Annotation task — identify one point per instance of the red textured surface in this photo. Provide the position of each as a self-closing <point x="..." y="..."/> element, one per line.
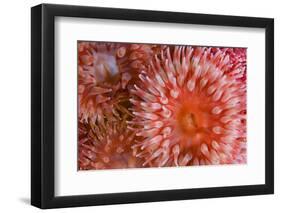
<point x="160" y="105"/>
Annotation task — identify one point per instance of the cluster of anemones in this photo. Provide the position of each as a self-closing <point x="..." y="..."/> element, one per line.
<point x="144" y="105"/>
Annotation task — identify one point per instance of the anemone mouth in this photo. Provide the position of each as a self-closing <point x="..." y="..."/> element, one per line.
<point x="106" y="69"/>
<point x="187" y="121"/>
<point x="192" y="115"/>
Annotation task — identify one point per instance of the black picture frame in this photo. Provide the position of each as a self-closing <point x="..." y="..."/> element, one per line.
<point x="43" y="102"/>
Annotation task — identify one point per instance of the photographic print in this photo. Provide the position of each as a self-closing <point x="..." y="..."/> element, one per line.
<point x="179" y="97"/>
<point x="154" y="105"/>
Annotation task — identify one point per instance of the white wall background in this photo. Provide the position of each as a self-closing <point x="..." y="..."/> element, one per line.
<point x="15" y="105"/>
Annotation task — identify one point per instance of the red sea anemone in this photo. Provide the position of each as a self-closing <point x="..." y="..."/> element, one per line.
<point x="106" y="146"/>
<point x="104" y="71"/>
<point x="102" y="80"/>
<point x="189" y="108"/>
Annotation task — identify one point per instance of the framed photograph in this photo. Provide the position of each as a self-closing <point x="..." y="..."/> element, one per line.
<point x="139" y="106"/>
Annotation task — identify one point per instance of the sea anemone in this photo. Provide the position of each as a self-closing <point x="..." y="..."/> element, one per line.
<point x="106" y="146"/>
<point x="101" y="81"/>
<point x="189" y="108"/>
<point x="104" y="71"/>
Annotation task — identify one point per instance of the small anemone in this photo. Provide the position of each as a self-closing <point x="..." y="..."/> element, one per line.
<point x="106" y="146"/>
